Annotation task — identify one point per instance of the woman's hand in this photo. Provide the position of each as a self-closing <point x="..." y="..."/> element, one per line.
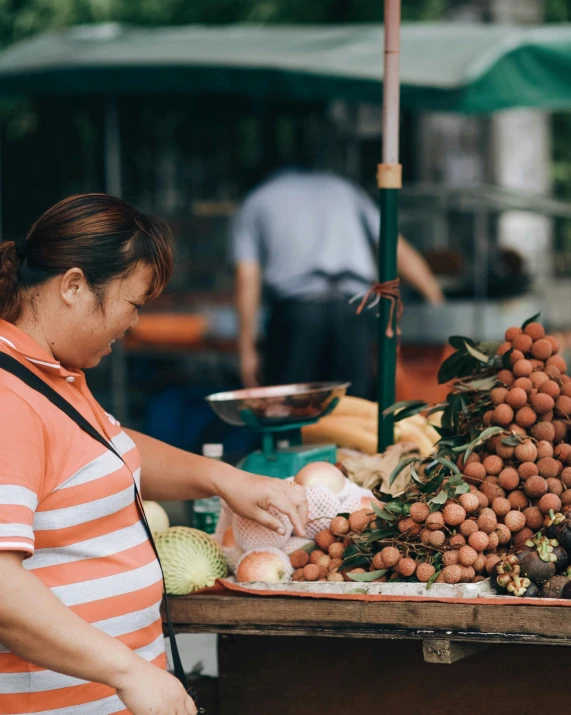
<point x="251" y="496"/>
<point x="148" y="690"/>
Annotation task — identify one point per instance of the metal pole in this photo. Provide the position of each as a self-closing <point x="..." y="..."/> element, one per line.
<point x="112" y="157"/>
<point x="389" y="179"/>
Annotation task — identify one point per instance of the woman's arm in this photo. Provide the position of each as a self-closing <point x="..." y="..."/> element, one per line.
<point x="169" y="473"/>
<point x="38" y="627"/>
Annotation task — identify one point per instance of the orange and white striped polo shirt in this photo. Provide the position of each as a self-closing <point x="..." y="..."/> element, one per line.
<point x="69" y="504"/>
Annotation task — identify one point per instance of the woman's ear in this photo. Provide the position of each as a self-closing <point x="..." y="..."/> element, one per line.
<point x="73" y="286"/>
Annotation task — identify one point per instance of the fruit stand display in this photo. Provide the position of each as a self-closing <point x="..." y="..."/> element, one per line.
<point x="457" y="546"/>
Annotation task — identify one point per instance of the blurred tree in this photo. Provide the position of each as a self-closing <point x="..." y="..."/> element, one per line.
<point x="22" y="18"/>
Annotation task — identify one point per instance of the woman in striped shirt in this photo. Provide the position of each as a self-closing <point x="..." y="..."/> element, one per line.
<point x="80" y="588"/>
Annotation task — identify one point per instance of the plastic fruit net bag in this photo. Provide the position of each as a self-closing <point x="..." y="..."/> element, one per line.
<point x="352" y="494"/>
<point x="224" y="535"/>
<point x="224" y="521"/>
<point x="251" y="535"/>
<point x="323" y="505"/>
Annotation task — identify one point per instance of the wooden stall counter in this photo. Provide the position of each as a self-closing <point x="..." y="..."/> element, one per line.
<point x="280" y="655"/>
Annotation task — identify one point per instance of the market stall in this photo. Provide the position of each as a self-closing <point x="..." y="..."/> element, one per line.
<point x="285" y="655"/>
<point x="458" y="557"/>
<point x="447" y="547"/>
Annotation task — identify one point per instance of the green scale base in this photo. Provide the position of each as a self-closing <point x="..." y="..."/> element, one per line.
<point x="284" y="463"/>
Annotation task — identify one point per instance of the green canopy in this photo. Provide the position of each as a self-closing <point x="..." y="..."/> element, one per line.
<point x="450" y="67"/>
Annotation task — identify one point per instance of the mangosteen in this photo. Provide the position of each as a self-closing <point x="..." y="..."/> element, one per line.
<point x="551" y="523"/>
<point x="554" y="587"/>
<point x="562" y="559"/>
<point x="562" y="532"/>
<point x="518" y="586"/>
<point x="501" y="575"/>
<point x="532" y="591"/>
<point x="537" y="570"/>
<point x="523" y="551"/>
<point x="566" y="593"/>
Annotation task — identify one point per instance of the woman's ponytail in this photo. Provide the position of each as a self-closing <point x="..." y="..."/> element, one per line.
<point x="9" y="290"/>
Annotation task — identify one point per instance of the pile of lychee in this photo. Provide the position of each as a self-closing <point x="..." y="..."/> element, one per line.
<point x="530" y="478"/>
<point x="325" y="561"/>
<point x="465" y="536"/>
<point x="533" y="396"/>
<point x="518" y="480"/>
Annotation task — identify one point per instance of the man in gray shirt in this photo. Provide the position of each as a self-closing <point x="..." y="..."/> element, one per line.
<point x="308" y="240"/>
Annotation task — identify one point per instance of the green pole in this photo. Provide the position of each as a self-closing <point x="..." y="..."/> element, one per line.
<point x="389" y="180"/>
<point x="387" y="353"/>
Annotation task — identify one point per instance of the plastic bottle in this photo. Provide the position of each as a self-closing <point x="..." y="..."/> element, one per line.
<point x="207" y="511"/>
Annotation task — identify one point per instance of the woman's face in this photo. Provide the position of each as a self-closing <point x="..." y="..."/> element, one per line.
<point x="91" y="329"/>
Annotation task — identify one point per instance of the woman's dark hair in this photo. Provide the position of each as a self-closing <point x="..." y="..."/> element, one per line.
<point x="102" y="235"/>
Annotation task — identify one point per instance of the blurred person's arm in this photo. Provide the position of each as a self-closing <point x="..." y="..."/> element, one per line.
<point x="415" y="270"/>
<point x="246" y="253"/>
<point x="248" y="291"/>
<point x="411" y="266"/>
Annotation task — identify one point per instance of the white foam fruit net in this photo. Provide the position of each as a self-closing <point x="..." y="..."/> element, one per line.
<point x="323" y="505"/>
<point x="250" y="535"/>
<point x="356" y="502"/>
<point x="224" y="521"/>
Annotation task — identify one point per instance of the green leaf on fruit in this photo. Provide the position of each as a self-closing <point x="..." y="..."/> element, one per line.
<point x="377" y="509"/>
<point x="530" y="320"/>
<point x="308" y="548"/>
<point x="482" y="437"/>
<point x="459" y="342"/>
<point x="413" y="409"/>
<point x="375" y="535"/>
<point x="379" y="535"/>
<point x="507" y="359"/>
<point x="351" y="551"/>
<point x="415" y="477"/>
<point x="367" y="577"/>
<point x="448" y="464"/>
<point x="387" y="516"/>
<point x="489" y="347"/>
<point x="461" y="489"/>
<point x="433" y="578"/>
<point x="436" y="408"/>
<point x="440" y="498"/>
<point x="513" y="440"/>
<point x="484" y="384"/>
<point x="397" y="508"/>
<point x="399" y="468"/>
<point x="449" y="368"/>
<point x="405" y="409"/>
<point x="478" y="354"/>
<point x="354" y="562"/>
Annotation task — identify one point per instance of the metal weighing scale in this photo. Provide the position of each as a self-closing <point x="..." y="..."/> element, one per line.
<point x="279" y="413"/>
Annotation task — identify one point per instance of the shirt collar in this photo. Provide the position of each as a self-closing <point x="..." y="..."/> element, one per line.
<point x="28" y="348"/>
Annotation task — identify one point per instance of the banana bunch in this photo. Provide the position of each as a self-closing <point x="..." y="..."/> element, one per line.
<point x="354" y="425"/>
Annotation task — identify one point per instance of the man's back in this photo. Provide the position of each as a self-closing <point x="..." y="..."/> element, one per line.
<point x="306" y="229"/>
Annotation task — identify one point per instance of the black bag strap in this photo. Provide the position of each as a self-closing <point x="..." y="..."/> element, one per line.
<point x="11" y="365"/>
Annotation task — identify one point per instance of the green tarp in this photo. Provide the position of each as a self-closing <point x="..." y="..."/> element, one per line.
<point x="451" y="67"/>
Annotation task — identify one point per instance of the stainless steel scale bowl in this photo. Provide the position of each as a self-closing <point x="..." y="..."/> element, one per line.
<point x="279" y="413"/>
